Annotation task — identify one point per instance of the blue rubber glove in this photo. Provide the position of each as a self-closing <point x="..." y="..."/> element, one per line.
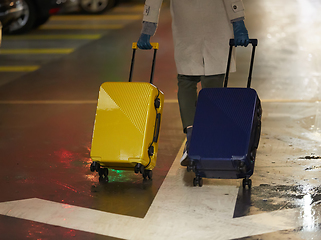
<point x="241" y="37"/>
<point x="143" y="42"/>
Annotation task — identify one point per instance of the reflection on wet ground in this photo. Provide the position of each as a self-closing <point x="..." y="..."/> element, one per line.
<point x="267" y="198"/>
<point x="124" y="196"/>
<point x="47" y="155"/>
<point x="17" y="229"/>
<point x="296" y="234"/>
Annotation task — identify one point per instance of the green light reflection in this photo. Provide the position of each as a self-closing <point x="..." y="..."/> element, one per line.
<point x="119" y="176"/>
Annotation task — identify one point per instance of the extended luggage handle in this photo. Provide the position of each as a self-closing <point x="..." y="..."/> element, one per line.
<point x="157" y="102"/>
<point x="134" y="46"/>
<point x="254" y="43"/>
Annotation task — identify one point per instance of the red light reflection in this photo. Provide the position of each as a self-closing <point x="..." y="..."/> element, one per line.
<point x="65" y="156"/>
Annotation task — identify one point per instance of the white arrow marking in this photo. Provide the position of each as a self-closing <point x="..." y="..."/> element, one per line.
<point x="178" y="212"/>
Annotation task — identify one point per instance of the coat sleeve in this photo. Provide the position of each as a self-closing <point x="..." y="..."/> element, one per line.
<point x="151" y="10"/>
<point x="234" y="9"/>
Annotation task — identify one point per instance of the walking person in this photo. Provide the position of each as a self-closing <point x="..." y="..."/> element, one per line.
<point x="201" y="32"/>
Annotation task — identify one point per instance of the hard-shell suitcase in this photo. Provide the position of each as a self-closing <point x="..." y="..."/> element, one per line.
<point x="127" y="125"/>
<point x="226" y="131"/>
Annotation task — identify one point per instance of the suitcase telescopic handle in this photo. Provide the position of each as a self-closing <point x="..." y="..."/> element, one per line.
<point x="134" y="46"/>
<point x="254" y="43"/>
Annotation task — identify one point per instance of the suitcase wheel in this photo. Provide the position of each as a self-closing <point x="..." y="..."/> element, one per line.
<point x="198" y="181"/>
<point x="94" y="166"/>
<point x="247" y="182"/>
<point x="103" y="174"/>
<point x="190" y="168"/>
<point x="148" y="173"/>
<point x="242" y="167"/>
<point x="103" y="179"/>
<point x="139" y="168"/>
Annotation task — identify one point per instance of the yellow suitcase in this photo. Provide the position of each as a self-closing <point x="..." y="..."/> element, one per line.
<point x="127" y="125"/>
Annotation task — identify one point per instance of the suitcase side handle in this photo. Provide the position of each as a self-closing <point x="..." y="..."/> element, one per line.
<point x="134" y="47"/>
<point x="254" y="43"/>
<point x="157" y="127"/>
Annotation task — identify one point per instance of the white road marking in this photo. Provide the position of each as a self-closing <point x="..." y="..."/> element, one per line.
<point x="179" y="211"/>
<point x="48" y="102"/>
<point x="18" y="68"/>
<point x="95" y="17"/>
<point x="58" y="101"/>
<point x="165" y="101"/>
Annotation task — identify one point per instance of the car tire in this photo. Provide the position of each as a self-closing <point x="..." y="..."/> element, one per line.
<point x="41" y="20"/>
<point x="96" y="6"/>
<point x="27" y="21"/>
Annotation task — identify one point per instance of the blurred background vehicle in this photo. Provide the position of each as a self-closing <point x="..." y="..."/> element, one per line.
<point x="89" y="6"/>
<point x="34" y="13"/>
<point x="10" y="11"/>
<point x="96" y="6"/>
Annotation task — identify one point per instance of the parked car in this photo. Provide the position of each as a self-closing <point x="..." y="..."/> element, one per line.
<point x="89" y="6"/>
<point x="34" y="14"/>
<point x="96" y="6"/>
<point x="10" y="11"/>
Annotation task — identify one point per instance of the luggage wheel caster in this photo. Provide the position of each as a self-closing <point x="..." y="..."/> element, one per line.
<point x="103" y="173"/>
<point x="148" y="173"/>
<point x="103" y="179"/>
<point x="242" y="168"/>
<point x="248" y="182"/>
<point x="94" y="166"/>
<point x="198" y="181"/>
<point x="139" y="168"/>
<point x="189" y="168"/>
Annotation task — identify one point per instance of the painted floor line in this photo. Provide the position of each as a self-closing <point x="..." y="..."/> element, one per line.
<point x="291" y="100"/>
<point x="95" y="101"/>
<point x="82" y="27"/>
<point x="272" y="100"/>
<point x="53" y="37"/>
<point x="69" y="216"/>
<point x="137" y="8"/>
<point x="18" y="68"/>
<point x="57" y="101"/>
<point x="49" y="102"/>
<point x="37" y="51"/>
<point x="94" y="18"/>
<point x="190" y="213"/>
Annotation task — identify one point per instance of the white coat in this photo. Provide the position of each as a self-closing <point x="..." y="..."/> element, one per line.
<point x="201" y="32"/>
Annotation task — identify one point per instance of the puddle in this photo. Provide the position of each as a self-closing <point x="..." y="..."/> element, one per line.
<point x="267" y="198"/>
<point x="312" y="168"/>
<point x="288" y="193"/>
<point x="311" y="157"/>
<point x="295" y="234"/>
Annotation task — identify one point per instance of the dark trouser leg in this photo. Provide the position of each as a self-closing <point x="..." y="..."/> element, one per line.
<point x="187" y="94"/>
<point x="187" y="97"/>
<point x="213" y="81"/>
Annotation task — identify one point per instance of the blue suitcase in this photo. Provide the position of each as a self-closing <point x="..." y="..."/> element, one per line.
<point x="226" y="131"/>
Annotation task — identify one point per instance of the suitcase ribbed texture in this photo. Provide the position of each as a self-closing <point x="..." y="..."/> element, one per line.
<point x="124" y="124"/>
<point x="223" y="123"/>
<point x="135" y="107"/>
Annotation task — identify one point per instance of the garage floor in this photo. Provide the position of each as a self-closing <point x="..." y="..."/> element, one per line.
<point x="49" y="83"/>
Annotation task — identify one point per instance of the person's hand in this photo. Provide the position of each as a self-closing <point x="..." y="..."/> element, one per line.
<point x="143" y="42"/>
<point x="241" y="37"/>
